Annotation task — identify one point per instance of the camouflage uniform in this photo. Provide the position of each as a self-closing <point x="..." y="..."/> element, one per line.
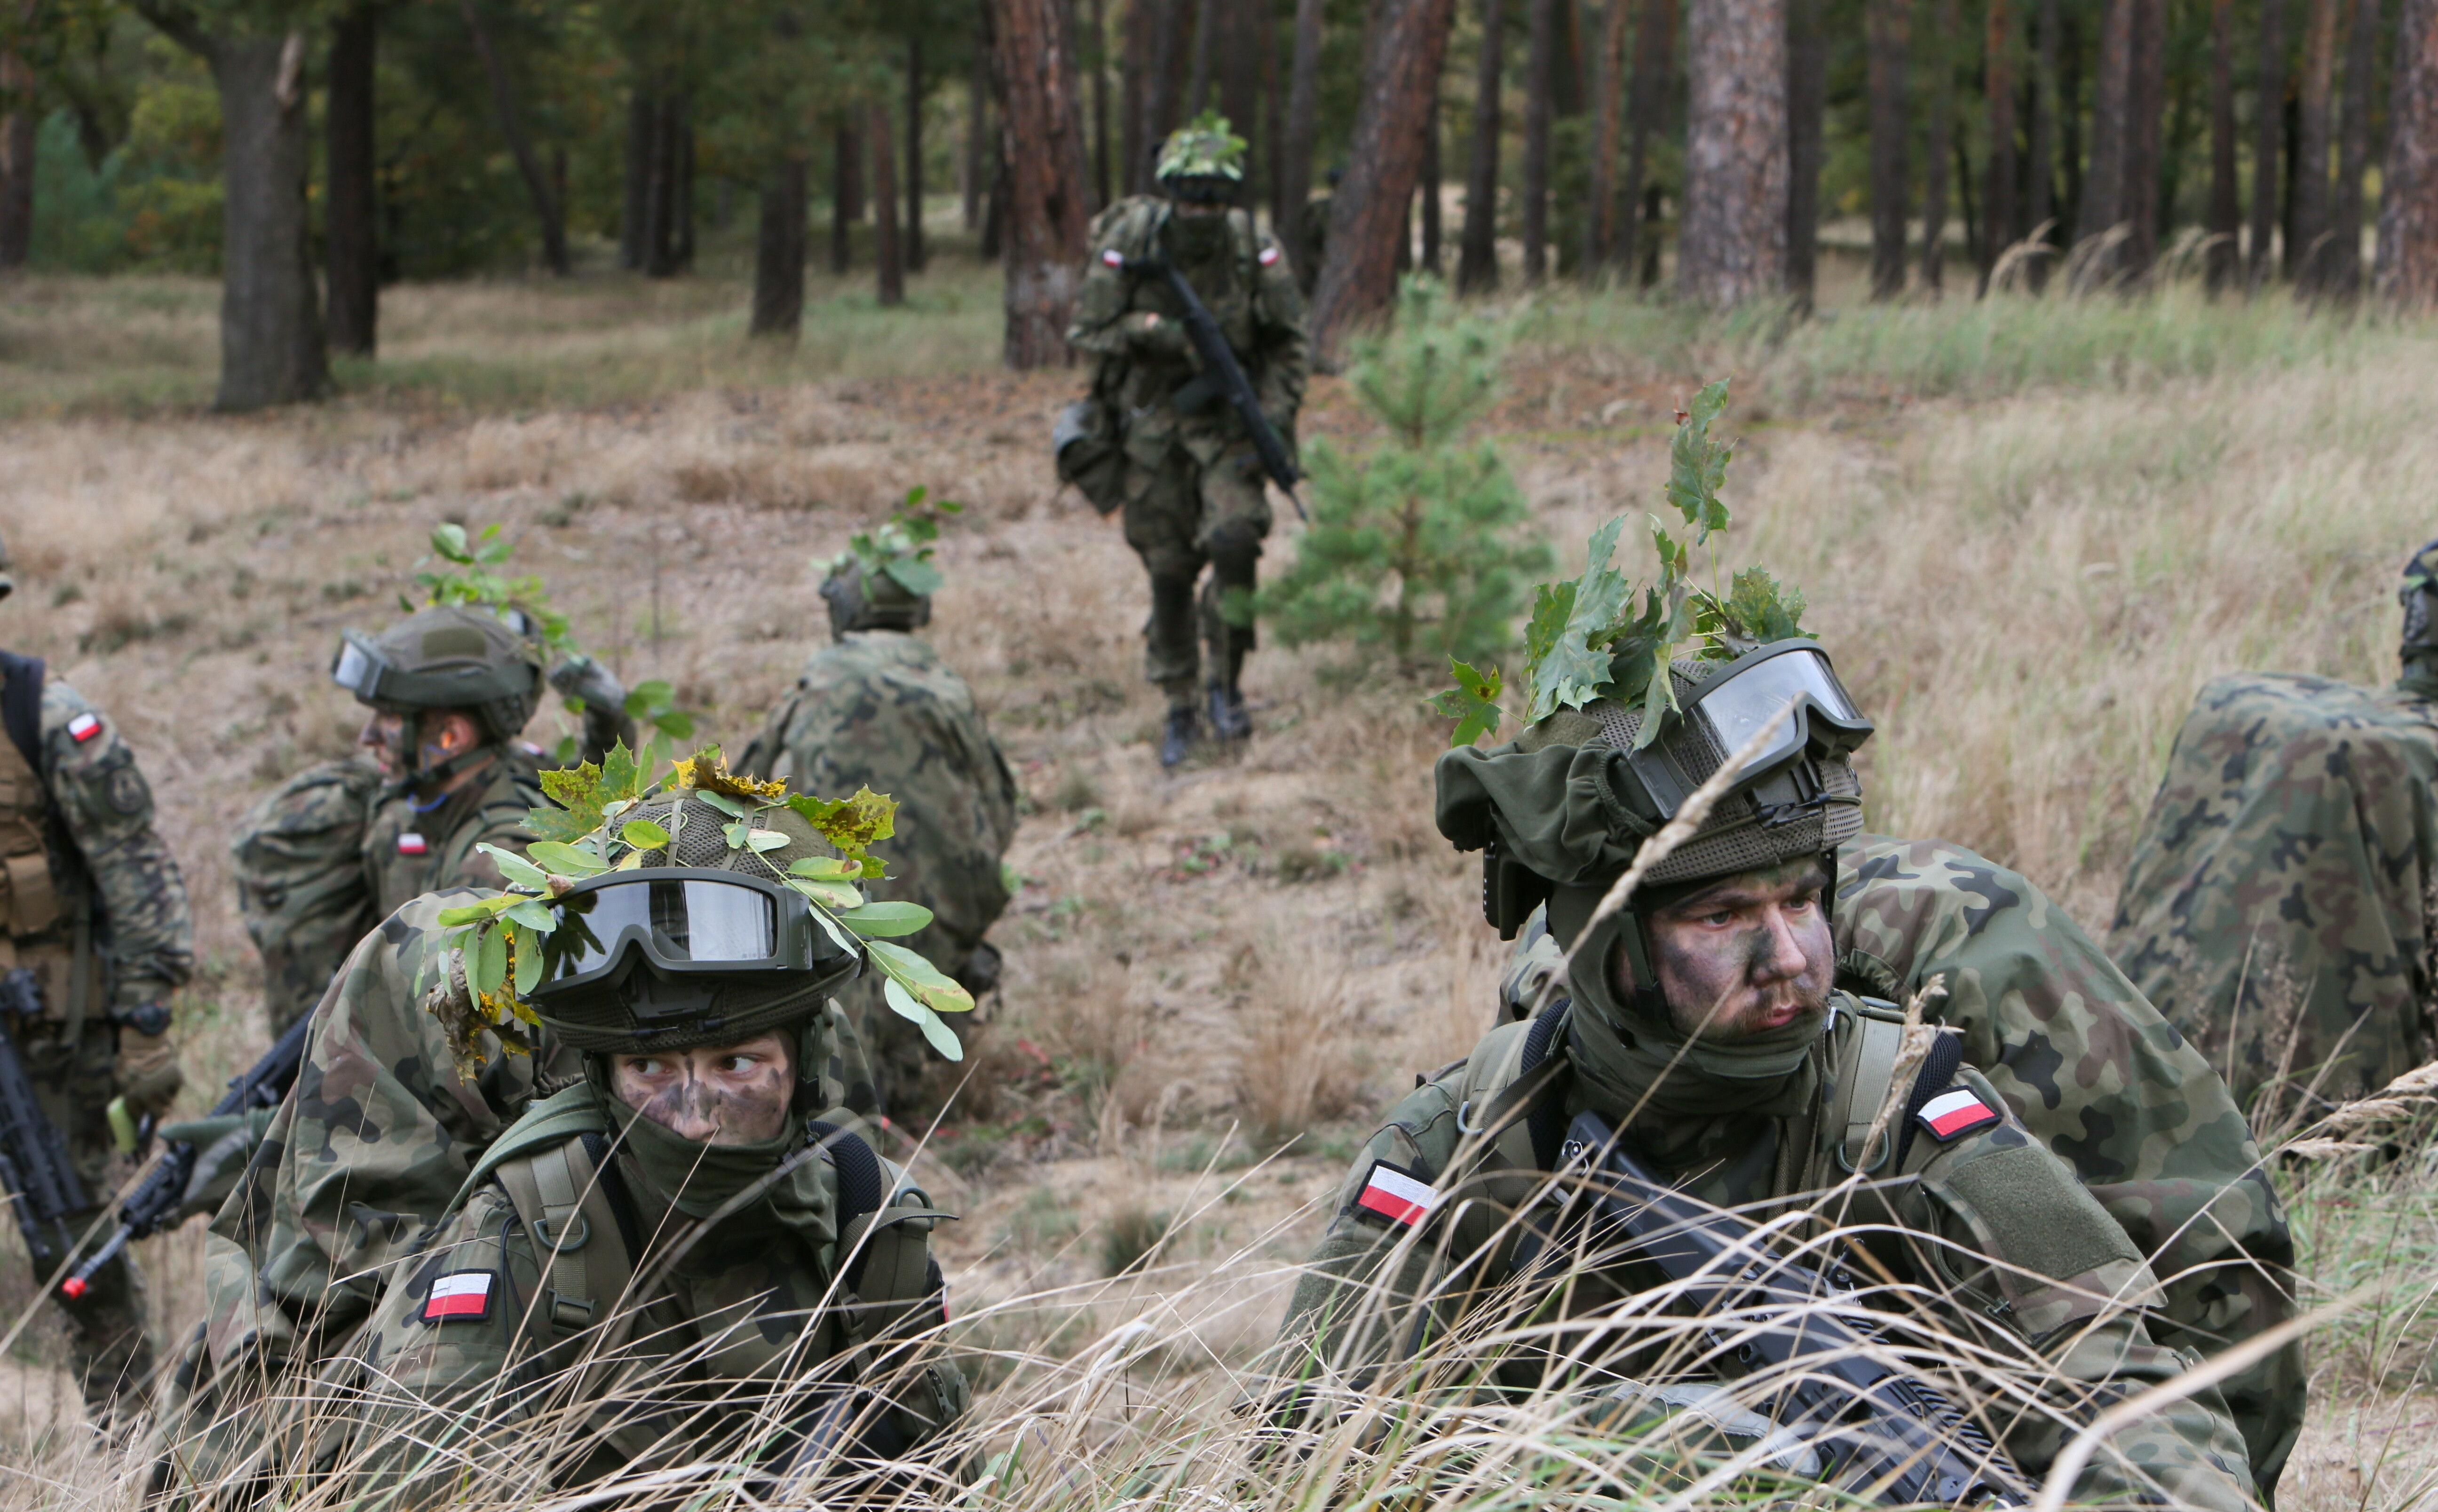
<point x="1194" y="488"/>
<point x="2090" y="1069"/>
<point x="413" y="846"/>
<point x="81" y="856"/>
<point x="879" y="708"/>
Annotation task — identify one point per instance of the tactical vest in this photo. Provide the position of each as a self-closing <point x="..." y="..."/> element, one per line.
<point x="48" y="925"/>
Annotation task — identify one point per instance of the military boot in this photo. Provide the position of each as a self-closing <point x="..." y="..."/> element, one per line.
<point x="1228" y="720"/>
<point x="1176" y="740"/>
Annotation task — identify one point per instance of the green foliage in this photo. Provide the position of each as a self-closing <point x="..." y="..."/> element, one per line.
<point x="901" y="549"/>
<point x="1413" y="544"/>
<point x="1473" y="703"/>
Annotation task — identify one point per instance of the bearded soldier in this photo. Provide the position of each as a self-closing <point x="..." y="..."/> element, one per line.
<point x="1157" y="437"/>
<point x="1706" y="1022"/>
<point x="878" y="708"/>
<point x="2278" y="907"/>
<point x="99" y="938"/>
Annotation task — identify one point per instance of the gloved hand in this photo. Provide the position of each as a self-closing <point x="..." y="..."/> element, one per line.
<point x="1154" y="335"/>
<point x="146" y="1071"/>
<point x="224" y="1146"/>
<point x="580" y="676"/>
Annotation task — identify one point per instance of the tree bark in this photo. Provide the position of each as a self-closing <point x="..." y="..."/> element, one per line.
<point x="845" y="149"/>
<point x="2146" y="106"/>
<point x="1274" y="120"/>
<point x="977" y="133"/>
<point x="1303" y="110"/>
<point x="1540" y="68"/>
<point x="2225" y="205"/>
<point x="779" y="253"/>
<point x="1035" y="76"/>
<point x="1164" y="90"/>
<point x="1476" y="268"/>
<point x="2040" y="205"/>
<point x="1889" y="27"/>
<point x="351" y="235"/>
<point x="1807" y="86"/>
<point x="1099" y="54"/>
<point x="2406" y="272"/>
<point x="1240" y="84"/>
<point x="917" y="254"/>
<point x="503" y="104"/>
<point x="2103" y="182"/>
<point x="2269" y="141"/>
<point x="2344" y="262"/>
<point x="1941" y="108"/>
<point x="1383" y="163"/>
<point x="17" y="140"/>
<point x="1733" y="245"/>
<point x="2069" y="123"/>
<point x="888" y="256"/>
<point x="682" y="176"/>
<point x="1999" y="229"/>
<point x="1197" y="85"/>
<point x="664" y="195"/>
<point x="636" y="199"/>
<point x="271" y="349"/>
<point x="2315" y="86"/>
<point x="1637" y="200"/>
<point x="1134" y="76"/>
<point x="1600" y="240"/>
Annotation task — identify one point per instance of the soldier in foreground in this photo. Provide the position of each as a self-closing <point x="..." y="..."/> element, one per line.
<point x="1191" y="483"/>
<point x="96" y="919"/>
<point x="2278" y="907"/>
<point x="878" y="708"/>
<point x="1705" y="1023"/>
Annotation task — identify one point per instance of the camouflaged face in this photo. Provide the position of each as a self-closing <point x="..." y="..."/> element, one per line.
<point x="2278" y="904"/>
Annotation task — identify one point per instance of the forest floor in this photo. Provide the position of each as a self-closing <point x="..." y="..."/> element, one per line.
<point x="2027" y="531"/>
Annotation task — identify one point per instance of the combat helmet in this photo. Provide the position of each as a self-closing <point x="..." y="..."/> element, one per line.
<point x="2418" y="593"/>
<point x="441" y="659"/>
<point x="1561" y="812"/>
<point x="1202" y="160"/>
<point x="885" y="578"/>
<point x="8" y="572"/>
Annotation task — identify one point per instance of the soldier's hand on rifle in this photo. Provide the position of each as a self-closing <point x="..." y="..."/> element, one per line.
<point x="1147" y="332"/>
<point x="147" y="1070"/>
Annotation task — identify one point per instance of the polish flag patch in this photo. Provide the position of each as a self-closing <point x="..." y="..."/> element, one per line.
<point x="84" y="726"/>
<point x="1269" y="256"/>
<point x="1112" y="257"/>
<point x="1394" y="1196"/>
<point x="465" y="1297"/>
<point x="413" y="843"/>
<point x="1952" y="1114"/>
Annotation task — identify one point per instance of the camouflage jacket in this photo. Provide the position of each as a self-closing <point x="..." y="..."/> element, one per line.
<point x="298" y="866"/>
<point x="879" y="707"/>
<point x="410" y="851"/>
<point x="1252" y="292"/>
<point x="2278" y="906"/>
<point x="1990" y="1232"/>
<point x="748" y="1334"/>
<point x="2091" y="1070"/>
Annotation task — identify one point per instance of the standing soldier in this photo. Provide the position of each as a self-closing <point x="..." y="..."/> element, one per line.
<point x="878" y="708"/>
<point x="1191" y="483"/>
<point x="97" y="912"/>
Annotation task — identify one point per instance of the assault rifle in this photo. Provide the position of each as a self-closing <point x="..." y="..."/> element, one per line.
<point x="1220" y="370"/>
<point x="35" y="1175"/>
<point x="1880" y="1431"/>
<point x="154" y="1202"/>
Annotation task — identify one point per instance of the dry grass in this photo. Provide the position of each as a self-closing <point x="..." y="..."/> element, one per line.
<point x="2023" y="590"/>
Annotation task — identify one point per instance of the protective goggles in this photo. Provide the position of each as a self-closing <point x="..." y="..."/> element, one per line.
<point x="1793" y="677"/>
<point x="683" y="919"/>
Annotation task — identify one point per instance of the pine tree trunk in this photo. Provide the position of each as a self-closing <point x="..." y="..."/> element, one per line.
<point x="1097" y="54"/>
<point x="2146" y="106"/>
<point x="2069" y="123"/>
<point x="1733" y="245"/>
<point x="2406" y="273"/>
<point x="2040" y="205"/>
<point x="845" y="149"/>
<point x="351" y="217"/>
<point x="1637" y="203"/>
<point x="977" y="133"/>
<point x="1164" y="100"/>
<point x="1540" y="68"/>
<point x="1999" y="229"/>
<point x="1476" y="269"/>
<point x="1197" y="83"/>
<point x="917" y="254"/>
<point x="888" y="256"/>
<point x="682" y="178"/>
<point x="1035" y="76"/>
<point x="17" y="141"/>
<point x="1941" y="107"/>
<point x="1274" y="120"/>
<point x="1434" y="196"/>
<point x="2315" y="88"/>
<point x="1384" y="163"/>
<point x="1889" y="27"/>
<point x="1240" y="84"/>
<point x="634" y="221"/>
<point x="1807" y="86"/>
<point x="2225" y="206"/>
<point x="1600" y="240"/>
<point x="271" y="348"/>
<point x="2103" y="184"/>
<point x="503" y="105"/>
<point x="1303" y="109"/>
<point x="2269" y="142"/>
<point x="2343" y="263"/>
<point x="779" y="253"/>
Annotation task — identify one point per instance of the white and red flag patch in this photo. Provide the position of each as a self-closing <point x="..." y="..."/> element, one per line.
<point x="413" y="843"/>
<point x="1113" y="257"/>
<point x="1269" y="256"/>
<point x="84" y="726"/>
<point x="1953" y="1114"/>
<point x="464" y="1297"/>
<point x="1396" y="1196"/>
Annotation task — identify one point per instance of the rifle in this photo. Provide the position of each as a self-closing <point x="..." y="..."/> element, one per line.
<point x="1219" y="365"/>
<point x="157" y="1198"/>
<point x="35" y="1175"/>
<point x="1883" y="1434"/>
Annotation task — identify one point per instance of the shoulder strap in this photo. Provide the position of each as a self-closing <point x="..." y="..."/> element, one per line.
<point x="1937" y="1072"/>
<point x="566" y="1113"/>
<point x="571" y="1201"/>
<point x="1864" y="1090"/>
<point x="21" y="706"/>
<point x="888" y="1270"/>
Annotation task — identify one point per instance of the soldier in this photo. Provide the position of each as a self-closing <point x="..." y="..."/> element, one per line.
<point x="1705" y="1020"/>
<point x="2278" y="907"/>
<point x="97" y="912"/>
<point x="1193" y="487"/>
<point x="734" y="1251"/>
<point x="878" y="708"/>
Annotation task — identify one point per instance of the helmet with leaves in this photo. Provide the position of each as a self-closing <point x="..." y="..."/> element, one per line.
<point x="885" y="578"/>
<point x="1202" y="160"/>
